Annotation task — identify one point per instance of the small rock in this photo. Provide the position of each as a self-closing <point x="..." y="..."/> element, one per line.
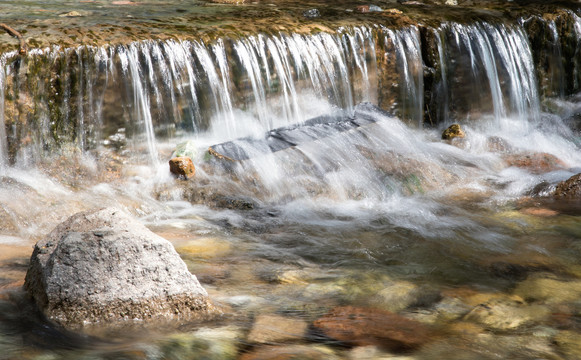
<point x="504" y="314"/>
<point x="570" y="188"/>
<point x="396" y="296"/>
<point x="72" y="14"/>
<point x="453" y="131"/>
<point x="291" y="352"/>
<point x="182" y="167"/>
<point x="277" y="329"/>
<point x="365" y="326"/>
<point x="452" y="2"/>
<point x="312" y="14"/>
<point x="393" y="11"/>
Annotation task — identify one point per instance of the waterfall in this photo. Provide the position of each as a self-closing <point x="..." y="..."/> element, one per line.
<point x="407" y="46"/>
<point x="251" y="85"/>
<point x="490" y="60"/>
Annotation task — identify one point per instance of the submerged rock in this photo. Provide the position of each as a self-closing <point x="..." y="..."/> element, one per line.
<point x="102" y="266"/>
<point x="536" y="163"/>
<point x="570" y="188"/>
<point x="276" y="329"/>
<point x="183" y="167"/>
<point x="506" y="314"/>
<point x="453" y="131"/>
<point x="205" y="343"/>
<point x="547" y="289"/>
<point x="366" y="326"/>
<point x="291" y="352"/>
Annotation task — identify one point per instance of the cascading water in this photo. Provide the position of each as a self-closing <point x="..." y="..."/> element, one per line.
<point x="322" y="179"/>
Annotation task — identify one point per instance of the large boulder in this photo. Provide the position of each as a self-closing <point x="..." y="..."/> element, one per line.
<point x="103" y="266"/>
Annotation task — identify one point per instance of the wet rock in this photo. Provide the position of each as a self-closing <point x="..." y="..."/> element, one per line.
<point x="182" y="167"/>
<point x="505" y="314"/>
<point x="102" y="266"/>
<point x="205" y="343"/>
<point x="453" y="131"/>
<point x="277" y="329"/>
<point x="366" y="326"/>
<point x="451" y="2"/>
<point x="548" y="289"/>
<point x="291" y="352"/>
<point x="569" y="342"/>
<point x="312" y="14"/>
<point x="536" y="163"/>
<point x="570" y="188"/>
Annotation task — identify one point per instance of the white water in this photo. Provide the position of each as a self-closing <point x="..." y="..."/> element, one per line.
<point x="242" y="89"/>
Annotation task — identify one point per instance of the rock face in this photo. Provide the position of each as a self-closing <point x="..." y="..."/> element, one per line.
<point x="570" y="188"/>
<point x="102" y="266"/>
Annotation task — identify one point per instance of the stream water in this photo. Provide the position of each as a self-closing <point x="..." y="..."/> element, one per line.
<point x="327" y="199"/>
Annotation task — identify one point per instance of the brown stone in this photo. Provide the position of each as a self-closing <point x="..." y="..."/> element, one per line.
<point x="536" y="163"/>
<point x="366" y="326"/>
<point x="182" y="167"/>
<point x="453" y="131"/>
<point x="570" y="188"/>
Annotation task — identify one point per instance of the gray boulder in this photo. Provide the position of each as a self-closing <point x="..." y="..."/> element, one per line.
<point x="102" y="266"/>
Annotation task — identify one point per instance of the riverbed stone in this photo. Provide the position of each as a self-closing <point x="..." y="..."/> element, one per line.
<point x="548" y="289"/>
<point x="367" y="326"/>
<point x="270" y="328"/>
<point x="505" y="314"/>
<point x="570" y="188"/>
<point x="205" y="343"/>
<point x="291" y="352"/>
<point x="569" y="342"/>
<point x="102" y="266"/>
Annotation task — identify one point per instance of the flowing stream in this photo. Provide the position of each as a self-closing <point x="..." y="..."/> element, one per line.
<point x="335" y="187"/>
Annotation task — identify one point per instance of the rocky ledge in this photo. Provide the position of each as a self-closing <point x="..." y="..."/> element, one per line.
<point x="102" y="266"/>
